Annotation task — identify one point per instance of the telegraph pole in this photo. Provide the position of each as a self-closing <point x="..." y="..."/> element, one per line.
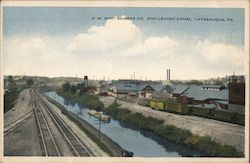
<point x="100" y="127"/>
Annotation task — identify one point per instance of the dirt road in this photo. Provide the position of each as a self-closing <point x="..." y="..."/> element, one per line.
<point x="221" y="132"/>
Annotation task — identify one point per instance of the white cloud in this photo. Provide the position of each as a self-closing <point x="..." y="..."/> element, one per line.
<point x="217" y="52"/>
<point x="34" y="55"/>
<point x="223" y="56"/>
<point x="115" y="35"/>
<point x="153" y="47"/>
<point x="117" y="49"/>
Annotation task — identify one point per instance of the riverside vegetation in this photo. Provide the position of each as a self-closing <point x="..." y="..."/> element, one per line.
<point x="203" y="144"/>
<point x="12" y="92"/>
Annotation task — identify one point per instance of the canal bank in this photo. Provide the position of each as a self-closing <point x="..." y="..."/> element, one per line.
<point x="104" y="142"/>
<point x="131" y="138"/>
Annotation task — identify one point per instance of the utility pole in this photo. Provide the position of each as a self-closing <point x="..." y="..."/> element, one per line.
<point x="100" y="123"/>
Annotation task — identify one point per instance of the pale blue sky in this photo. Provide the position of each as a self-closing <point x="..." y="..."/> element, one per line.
<point x="60" y="25"/>
<point x="69" y="21"/>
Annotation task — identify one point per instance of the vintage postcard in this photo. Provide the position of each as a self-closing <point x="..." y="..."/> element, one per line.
<point x="125" y="81"/>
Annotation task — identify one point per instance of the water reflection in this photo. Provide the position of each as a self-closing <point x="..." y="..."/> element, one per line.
<point x="131" y="138"/>
<point x="68" y="102"/>
<point x="169" y="146"/>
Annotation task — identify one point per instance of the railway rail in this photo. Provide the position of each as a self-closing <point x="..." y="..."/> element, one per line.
<point x="77" y="147"/>
<point x="49" y="146"/>
<point x="16" y="123"/>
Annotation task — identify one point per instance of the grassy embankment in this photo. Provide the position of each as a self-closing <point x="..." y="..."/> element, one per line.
<point x="203" y="144"/>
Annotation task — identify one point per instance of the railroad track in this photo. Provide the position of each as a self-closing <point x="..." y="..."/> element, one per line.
<point x="77" y="147"/>
<point x="49" y="146"/>
<point x="16" y="123"/>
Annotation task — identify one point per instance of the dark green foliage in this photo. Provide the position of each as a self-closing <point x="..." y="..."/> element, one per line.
<point x="11" y="95"/>
<point x="218" y="82"/>
<point x="235" y="117"/>
<point x="219" y="115"/>
<point x="91" y="101"/>
<point x="73" y="89"/>
<point x="66" y="87"/>
<point x="172" y="133"/>
<point x="194" y="82"/>
<point x="137" y="119"/>
<point x="80" y="86"/>
<point x="211" y="148"/>
<point x="9" y="99"/>
<point x="112" y="109"/>
<point x="29" y="82"/>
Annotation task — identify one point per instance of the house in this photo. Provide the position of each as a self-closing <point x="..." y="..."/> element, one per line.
<point x="162" y="91"/>
<point x="145" y="91"/>
<point x="123" y="90"/>
<point x="102" y="88"/>
<point x="139" y="89"/>
<point x="178" y="90"/>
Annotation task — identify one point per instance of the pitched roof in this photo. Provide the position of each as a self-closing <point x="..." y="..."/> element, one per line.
<point x="179" y="89"/>
<point x="198" y="93"/>
<point x="121" y="87"/>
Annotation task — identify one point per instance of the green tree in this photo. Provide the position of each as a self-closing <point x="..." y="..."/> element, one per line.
<point x="12" y="83"/>
<point x="66" y="87"/>
<point x="80" y="86"/>
<point x="194" y="82"/>
<point x="10" y="79"/>
<point x="73" y="89"/>
<point x="218" y="82"/>
<point x="29" y="82"/>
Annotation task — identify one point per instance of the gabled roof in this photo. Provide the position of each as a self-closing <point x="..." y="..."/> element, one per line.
<point x="161" y="88"/>
<point x="142" y="86"/>
<point x="158" y="87"/>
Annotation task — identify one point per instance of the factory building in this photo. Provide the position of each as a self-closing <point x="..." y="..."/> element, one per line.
<point x="210" y="95"/>
<point x="237" y="94"/>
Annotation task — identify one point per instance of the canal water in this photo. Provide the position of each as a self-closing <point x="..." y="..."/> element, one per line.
<point x="141" y="143"/>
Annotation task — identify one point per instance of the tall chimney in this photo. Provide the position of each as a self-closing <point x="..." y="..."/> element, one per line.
<point x="169" y="75"/>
